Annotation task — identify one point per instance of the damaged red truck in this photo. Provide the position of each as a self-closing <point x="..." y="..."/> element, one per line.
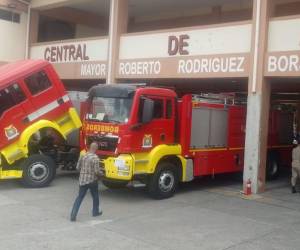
<point x="33" y="103"/>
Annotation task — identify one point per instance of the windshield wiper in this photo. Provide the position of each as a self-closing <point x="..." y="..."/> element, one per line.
<point x="93" y="120"/>
<point x="114" y="121"/>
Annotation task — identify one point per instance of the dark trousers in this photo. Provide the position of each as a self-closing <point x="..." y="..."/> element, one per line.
<point x="93" y="187"/>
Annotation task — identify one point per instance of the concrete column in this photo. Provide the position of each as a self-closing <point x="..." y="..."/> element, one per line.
<point x="118" y="23"/>
<point x="258" y="101"/>
<point x="32" y="30"/>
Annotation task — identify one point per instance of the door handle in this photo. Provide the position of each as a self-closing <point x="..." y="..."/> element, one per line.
<point x="162" y="136"/>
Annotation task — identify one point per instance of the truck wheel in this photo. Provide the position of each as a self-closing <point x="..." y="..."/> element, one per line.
<point x="164" y="182"/>
<point x="38" y="171"/>
<point x="272" y="170"/>
<point x="114" y="184"/>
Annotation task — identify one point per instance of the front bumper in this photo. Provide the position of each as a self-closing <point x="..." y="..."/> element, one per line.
<point x="118" y="168"/>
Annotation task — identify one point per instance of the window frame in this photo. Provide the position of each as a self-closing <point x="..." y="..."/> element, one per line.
<point x="35" y="73"/>
<point x="10" y="16"/>
<point x="15" y="103"/>
<point x="169" y="100"/>
<point x="153" y="98"/>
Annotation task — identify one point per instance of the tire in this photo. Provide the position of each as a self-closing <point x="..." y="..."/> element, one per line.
<point x="273" y="166"/>
<point x="114" y="184"/>
<point x="164" y="182"/>
<point x="38" y="171"/>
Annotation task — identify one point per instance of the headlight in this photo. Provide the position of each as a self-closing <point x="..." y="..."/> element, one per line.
<point x="123" y="173"/>
<point x="123" y="168"/>
<point x="120" y="163"/>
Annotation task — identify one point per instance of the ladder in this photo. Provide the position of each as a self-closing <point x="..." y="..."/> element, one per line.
<point x="227" y="99"/>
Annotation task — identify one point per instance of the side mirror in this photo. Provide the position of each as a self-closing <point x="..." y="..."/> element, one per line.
<point x="148" y="109"/>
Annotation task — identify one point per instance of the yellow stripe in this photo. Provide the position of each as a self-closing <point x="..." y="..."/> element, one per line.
<point x="240" y="148"/>
<point x="232" y="149"/>
<point x="10" y="174"/>
<point x="214" y="149"/>
<point x="281" y="146"/>
<point x="207" y="149"/>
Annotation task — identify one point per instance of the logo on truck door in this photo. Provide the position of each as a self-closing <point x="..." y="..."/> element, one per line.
<point x="11" y="132"/>
<point x="147" y="141"/>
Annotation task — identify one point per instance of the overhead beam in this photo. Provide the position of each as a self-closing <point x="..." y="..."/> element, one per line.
<point x="287" y="9"/>
<point x="14" y="5"/>
<point x="136" y="25"/>
<point x="49" y="4"/>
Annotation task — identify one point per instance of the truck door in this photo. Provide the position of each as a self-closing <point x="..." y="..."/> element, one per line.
<point x="44" y="95"/>
<point x="160" y="130"/>
<point x="12" y="113"/>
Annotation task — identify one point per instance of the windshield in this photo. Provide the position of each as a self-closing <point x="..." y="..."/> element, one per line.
<point x="114" y="110"/>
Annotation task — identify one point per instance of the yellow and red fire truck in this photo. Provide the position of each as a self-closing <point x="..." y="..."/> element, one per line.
<point x="151" y="135"/>
<point x="35" y="113"/>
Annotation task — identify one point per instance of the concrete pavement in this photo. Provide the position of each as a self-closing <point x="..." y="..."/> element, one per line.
<point x="206" y="214"/>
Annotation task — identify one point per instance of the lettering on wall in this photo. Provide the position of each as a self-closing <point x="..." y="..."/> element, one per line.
<point x="140" y="68"/>
<point x="66" y="53"/>
<point x="185" y="55"/>
<point x="185" y="67"/>
<point x="75" y="59"/>
<point x="283" y="63"/>
<point x="178" y="45"/>
<point x="233" y="64"/>
<point x="93" y="69"/>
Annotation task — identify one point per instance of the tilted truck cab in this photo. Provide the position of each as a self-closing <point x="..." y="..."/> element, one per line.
<point x="33" y="101"/>
<point x="149" y="134"/>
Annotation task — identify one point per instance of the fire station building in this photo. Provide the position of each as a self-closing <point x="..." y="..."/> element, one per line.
<point x="247" y="46"/>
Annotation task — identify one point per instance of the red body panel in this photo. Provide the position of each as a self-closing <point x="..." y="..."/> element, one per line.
<point x="217" y="162"/>
<point x="230" y="159"/>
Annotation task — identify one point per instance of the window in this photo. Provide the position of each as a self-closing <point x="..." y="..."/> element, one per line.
<point x="141" y="107"/>
<point x="114" y="109"/>
<point x="158" y="109"/>
<point x="8" y="15"/>
<point x="10" y="97"/>
<point x="16" y="93"/>
<point x="38" y="82"/>
<point x="169" y="109"/>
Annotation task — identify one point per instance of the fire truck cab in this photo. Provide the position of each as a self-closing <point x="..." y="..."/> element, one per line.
<point x="149" y="134"/>
<point x="35" y="110"/>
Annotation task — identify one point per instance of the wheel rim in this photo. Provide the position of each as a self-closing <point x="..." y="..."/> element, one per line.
<point x="166" y="181"/>
<point x="38" y="171"/>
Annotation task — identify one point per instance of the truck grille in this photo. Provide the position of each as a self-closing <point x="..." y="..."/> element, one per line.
<point x="105" y="143"/>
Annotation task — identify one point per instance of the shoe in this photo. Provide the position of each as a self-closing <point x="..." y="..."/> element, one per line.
<point x="73" y="219"/>
<point x="97" y="214"/>
<point x="294" y="190"/>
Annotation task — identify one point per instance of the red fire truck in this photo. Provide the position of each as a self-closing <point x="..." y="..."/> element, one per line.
<point x="150" y="135"/>
<point x="35" y="113"/>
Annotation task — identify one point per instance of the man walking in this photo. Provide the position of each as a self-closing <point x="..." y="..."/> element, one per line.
<point x="88" y="165"/>
<point x="295" y="165"/>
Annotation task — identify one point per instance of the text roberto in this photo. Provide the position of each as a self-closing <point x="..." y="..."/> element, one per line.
<point x="140" y="68"/>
